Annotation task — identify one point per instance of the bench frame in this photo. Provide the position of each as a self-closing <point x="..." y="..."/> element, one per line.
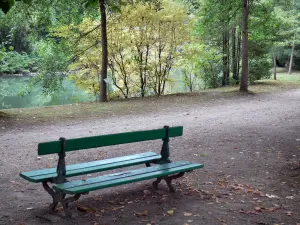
<point x="60" y="197"/>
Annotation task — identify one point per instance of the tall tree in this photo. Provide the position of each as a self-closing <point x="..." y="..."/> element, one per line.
<point x="234" y="55"/>
<point x="293" y="44"/>
<point x="244" y="78"/>
<point x="103" y="85"/>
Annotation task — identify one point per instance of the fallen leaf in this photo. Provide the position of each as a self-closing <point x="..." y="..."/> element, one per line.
<point x="118" y="208"/>
<point x="221" y="183"/>
<point x="258" y="193"/>
<point x="271" y="196"/>
<point x="187" y="214"/>
<point x="84" y="209"/>
<point x="258" y="209"/>
<point x="289" y="197"/>
<point x="170" y="212"/>
<point x="289" y="213"/>
<point x="273" y="209"/>
<point x="59" y="209"/>
<point x="248" y="212"/>
<point x="144" y="213"/>
<point x="30" y="208"/>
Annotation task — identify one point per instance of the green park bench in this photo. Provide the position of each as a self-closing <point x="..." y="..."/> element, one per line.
<point x="163" y="168"/>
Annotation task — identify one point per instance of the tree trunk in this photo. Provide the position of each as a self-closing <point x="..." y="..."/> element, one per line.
<point x="225" y="58"/>
<point x="275" y="66"/>
<point x="103" y="84"/>
<point x="238" y="56"/>
<point x="244" y="78"/>
<point x="228" y="57"/>
<point x="292" y="57"/>
<point x="234" y="55"/>
<point x="293" y="46"/>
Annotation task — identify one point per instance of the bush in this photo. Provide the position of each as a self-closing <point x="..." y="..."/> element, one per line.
<point x="259" y="61"/>
<point x="13" y="62"/>
<point x="259" y="68"/>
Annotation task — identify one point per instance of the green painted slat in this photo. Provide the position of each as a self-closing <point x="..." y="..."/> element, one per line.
<point x="91" y="167"/>
<point x="46" y="177"/>
<point x="126" y="173"/>
<point x="111" y="180"/>
<point x="93" y="163"/>
<point x="107" y="140"/>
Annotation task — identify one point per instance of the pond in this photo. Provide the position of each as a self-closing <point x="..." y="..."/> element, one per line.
<point x="11" y="87"/>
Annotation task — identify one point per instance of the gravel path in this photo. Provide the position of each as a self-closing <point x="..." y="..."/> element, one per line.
<point x="248" y="145"/>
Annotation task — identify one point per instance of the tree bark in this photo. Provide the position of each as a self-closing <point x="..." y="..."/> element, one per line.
<point x="292" y="57"/>
<point x="225" y="58"/>
<point x="293" y="46"/>
<point x="103" y="84"/>
<point x="228" y="57"/>
<point x="275" y="66"/>
<point x="238" y="56"/>
<point x="234" y="55"/>
<point x="244" y="78"/>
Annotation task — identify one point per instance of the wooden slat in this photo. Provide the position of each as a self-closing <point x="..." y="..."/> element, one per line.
<point x="107" y="140"/>
<point x="91" y="167"/>
<point x="80" y="186"/>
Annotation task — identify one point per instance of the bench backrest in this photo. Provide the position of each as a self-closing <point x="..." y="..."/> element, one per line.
<point x="107" y="140"/>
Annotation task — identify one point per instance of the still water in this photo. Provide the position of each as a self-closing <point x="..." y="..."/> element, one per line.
<point x="11" y="87"/>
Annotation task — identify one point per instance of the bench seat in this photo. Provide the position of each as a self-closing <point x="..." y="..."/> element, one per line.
<point x="47" y="174"/>
<point x="129" y="176"/>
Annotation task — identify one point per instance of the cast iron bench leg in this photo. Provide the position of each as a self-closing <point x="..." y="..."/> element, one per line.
<point x="65" y="203"/>
<point x="56" y="196"/>
<point x="168" y="180"/>
<point x="60" y="197"/>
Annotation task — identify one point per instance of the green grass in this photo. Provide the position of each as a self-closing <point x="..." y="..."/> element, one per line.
<point x="284" y="81"/>
<point x="284" y="76"/>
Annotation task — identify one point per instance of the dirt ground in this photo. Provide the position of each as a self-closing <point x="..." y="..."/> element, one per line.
<point x="249" y="145"/>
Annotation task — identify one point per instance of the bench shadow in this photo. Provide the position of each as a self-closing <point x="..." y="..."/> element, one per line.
<point x="128" y="204"/>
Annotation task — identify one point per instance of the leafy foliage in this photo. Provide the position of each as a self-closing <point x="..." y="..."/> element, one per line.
<point x="14" y="62"/>
<point x="142" y="50"/>
<point x="147" y="41"/>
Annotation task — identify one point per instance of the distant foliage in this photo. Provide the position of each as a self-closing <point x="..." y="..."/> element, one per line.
<point x="147" y="41"/>
<point x="259" y="68"/>
<point x="13" y="62"/>
<point x="201" y="63"/>
<point x="260" y="61"/>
